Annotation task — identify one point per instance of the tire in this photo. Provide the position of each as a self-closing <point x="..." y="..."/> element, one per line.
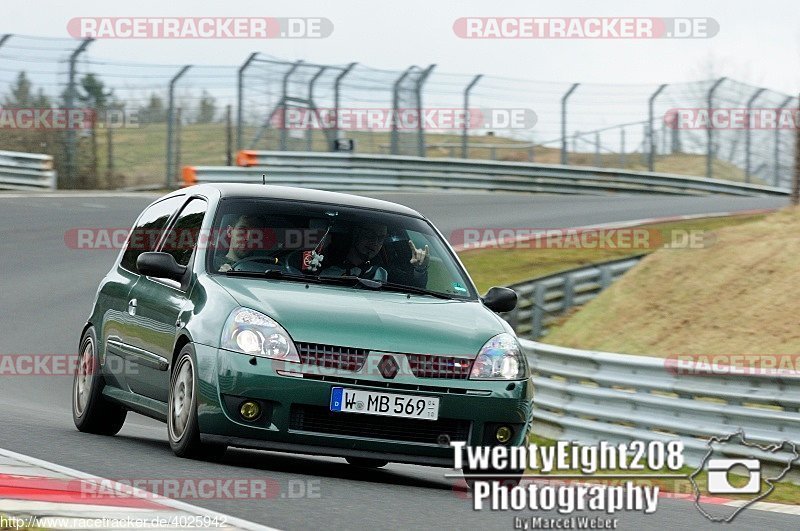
<point x="91" y="411"/>
<point x="182" y="425"/>
<point x="363" y="462"/>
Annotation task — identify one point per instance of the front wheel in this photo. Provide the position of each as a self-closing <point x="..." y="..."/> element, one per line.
<point x="91" y="411"/>
<point x="182" y="426"/>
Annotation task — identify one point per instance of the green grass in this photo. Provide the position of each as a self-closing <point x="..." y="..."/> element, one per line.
<point x="737" y="297"/>
<point x="502" y="267"/>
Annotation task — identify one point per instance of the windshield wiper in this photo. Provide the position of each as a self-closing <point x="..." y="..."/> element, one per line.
<point x="269" y="273"/>
<point x="403" y="288"/>
<point x="350" y="279"/>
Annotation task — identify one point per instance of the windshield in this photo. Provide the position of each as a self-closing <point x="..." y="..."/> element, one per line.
<point x="329" y="243"/>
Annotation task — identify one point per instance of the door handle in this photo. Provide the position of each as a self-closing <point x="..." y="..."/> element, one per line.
<point x="132" y="307"/>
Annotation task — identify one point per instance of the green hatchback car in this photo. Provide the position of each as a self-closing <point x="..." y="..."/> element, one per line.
<point x="304" y="321"/>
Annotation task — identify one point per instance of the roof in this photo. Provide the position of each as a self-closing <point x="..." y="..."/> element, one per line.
<point x="269" y="191"/>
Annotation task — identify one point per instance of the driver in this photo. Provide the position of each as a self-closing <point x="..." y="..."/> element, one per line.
<point x="362" y="259"/>
<point x="245" y="236"/>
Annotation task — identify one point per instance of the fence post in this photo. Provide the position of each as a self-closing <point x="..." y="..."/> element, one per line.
<point x="651" y="158"/>
<point x="747" y="140"/>
<point x="622" y="147"/>
<point x="5" y="37"/>
<point x="710" y="129"/>
<point x="170" y="125"/>
<point x="336" y="100"/>
<point x="284" y="101"/>
<point x="395" y="140"/>
<point x="240" y="99"/>
<point x="564" y="98"/>
<point x="110" y="155"/>
<point x="69" y="100"/>
<point x="178" y="127"/>
<point x="597" y="162"/>
<point x="467" y="117"/>
<point x="537" y="311"/>
<point x="310" y="130"/>
<point x="777" y="163"/>
<point x="421" y="147"/>
<point x="796" y="179"/>
<point x="228" y="137"/>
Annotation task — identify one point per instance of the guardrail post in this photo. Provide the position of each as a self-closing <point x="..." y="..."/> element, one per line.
<point x="69" y="100"/>
<point x="710" y="129"/>
<point x="537" y="311"/>
<point x="310" y="130"/>
<point x="170" y="124"/>
<point x="605" y="277"/>
<point x="395" y="140"/>
<point x="421" y="149"/>
<point x="564" y="98"/>
<point x="651" y="161"/>
<point x="336" y="101"/>
<point x="467" y="120"/>
<point x="240" y="99"/>
<point x="569" y="292"/>
<point x="777" y="163"/>
<point x="747" y="134"/>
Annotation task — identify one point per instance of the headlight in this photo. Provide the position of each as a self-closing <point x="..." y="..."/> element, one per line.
<point x="250" y="332"/>
<point x="500" y="359"/>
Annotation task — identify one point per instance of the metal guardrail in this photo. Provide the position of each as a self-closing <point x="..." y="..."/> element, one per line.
<point x="343" y="171"/>
<point x="543" y="299"/>
<point x="26" y="171"/>
<point x="588" y="396"/>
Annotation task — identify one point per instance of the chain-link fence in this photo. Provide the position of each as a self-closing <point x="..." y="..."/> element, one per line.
<point x="150" y="119"/>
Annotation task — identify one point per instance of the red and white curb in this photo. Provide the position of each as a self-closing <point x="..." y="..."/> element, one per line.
<point x="40" y="494"/>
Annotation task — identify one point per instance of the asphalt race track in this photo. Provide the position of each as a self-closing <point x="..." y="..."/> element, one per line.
<point x="45" y="296"/>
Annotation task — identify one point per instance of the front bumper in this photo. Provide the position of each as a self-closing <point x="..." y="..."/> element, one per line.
<point x="296" y="415"/>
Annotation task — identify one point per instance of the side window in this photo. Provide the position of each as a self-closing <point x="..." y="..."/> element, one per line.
<point x="182" y="237"/>
<point x="148" y="230"/>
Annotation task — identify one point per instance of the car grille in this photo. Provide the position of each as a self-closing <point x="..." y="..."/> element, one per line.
<point x="328" y="356"/>
<point x="425" y="366"/>
<point x="321" y="420"/>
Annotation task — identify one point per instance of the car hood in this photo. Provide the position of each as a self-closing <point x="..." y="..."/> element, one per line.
<point x="375" y="320"/>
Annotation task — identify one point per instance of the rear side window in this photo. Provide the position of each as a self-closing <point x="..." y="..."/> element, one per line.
<point x="148" y="230"/>
<point x="182" y="237"/>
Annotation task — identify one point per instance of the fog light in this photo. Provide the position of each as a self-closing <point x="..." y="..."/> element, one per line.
<point x="503" y="434"/>
<point x="250" y="410"/>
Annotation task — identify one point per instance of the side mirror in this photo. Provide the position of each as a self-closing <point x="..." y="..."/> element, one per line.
<point x="160" y="265"/>
<point x="500" y="299"/>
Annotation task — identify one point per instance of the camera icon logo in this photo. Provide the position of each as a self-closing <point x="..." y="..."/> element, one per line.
<point x="719" y="483"/>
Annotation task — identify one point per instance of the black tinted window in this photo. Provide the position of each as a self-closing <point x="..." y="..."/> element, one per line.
<point x="148" y="230"/>
<point x="182" y="237"/>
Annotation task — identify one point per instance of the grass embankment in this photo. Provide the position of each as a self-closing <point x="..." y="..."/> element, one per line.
<point x="502" y="267"/>
<point x="139" y="153"/>
<point x="738" y="296"/>
<point x="785" y="492"/>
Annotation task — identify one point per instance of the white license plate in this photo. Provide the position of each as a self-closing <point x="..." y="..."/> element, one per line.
<point x="386" y="404"/>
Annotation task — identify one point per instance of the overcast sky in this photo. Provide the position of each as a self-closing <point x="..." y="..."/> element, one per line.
<point x="758" y="41"/>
